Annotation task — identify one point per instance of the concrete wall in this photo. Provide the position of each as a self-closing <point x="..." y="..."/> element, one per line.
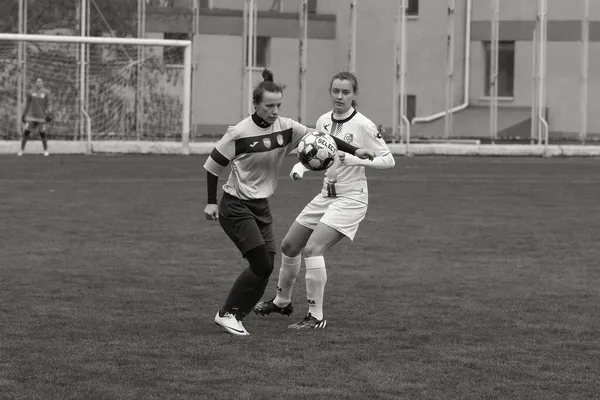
<point x="218" y="57"/>
<point x="220" y="94"/>
<point x="563" y="58"/>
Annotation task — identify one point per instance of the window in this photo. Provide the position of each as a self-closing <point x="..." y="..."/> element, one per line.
<point x="174" y="55"/>
<point x="506" y="68"/>
<point x="205" y="4"/>
<point x="263" y="50"/>
<point x="411" y="107"/>
<point x="413" y="8"/>
<point x="312" y="6"/>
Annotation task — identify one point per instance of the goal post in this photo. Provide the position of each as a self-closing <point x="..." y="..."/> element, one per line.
<point x="100" y="99"/>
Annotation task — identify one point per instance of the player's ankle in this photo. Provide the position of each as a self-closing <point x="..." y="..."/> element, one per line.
<point x="281" y="303"/>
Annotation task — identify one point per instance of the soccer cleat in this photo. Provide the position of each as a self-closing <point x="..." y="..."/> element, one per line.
<point x="46" y="154"/>
<point x="268" y="307"/>
<point x="230" y="323"/>
<point x="309" y="322"/>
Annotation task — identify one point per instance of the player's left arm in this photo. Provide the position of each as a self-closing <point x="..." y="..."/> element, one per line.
<point x="27" y="106"/>
<point x="48" y="111"/>
<point x="371" y="139"/>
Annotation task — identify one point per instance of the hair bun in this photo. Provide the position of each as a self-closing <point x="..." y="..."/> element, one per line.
<point x="267" y="75"/>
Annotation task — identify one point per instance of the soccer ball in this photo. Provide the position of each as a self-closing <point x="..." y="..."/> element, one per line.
<point x="316" y="151"/>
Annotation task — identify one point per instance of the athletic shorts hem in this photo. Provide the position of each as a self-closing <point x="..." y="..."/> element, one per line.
<point x="348" y="235"/>
<point x="305" y="224"/>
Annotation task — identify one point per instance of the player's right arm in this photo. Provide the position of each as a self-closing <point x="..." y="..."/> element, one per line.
<point x="219" y="158"/>
<point x="298" y="169"/>
<point x="48" y="106"/>
<point x="27" y="105"/>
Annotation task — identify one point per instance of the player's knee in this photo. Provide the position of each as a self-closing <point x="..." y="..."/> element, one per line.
<point x="314" y="249"/>
<point x="290" y="248"/>
<point x="26" y="133"/>
<point x="43" y="135"/>
<point x="261" y="261"/>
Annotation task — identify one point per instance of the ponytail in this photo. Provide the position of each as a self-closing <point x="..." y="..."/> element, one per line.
<point x="267" y="85"/>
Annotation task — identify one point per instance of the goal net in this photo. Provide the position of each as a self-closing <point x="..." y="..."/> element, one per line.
<point x="100" y="88"/>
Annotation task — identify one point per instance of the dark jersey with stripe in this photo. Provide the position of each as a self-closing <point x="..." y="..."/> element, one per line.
<point x="38" y="103"/>
<point x="256" y="152"/>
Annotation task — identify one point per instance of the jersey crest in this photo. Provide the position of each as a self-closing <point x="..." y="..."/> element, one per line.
<point x="349" y="137"/>
<point x="280" y="139"/>
<point x="267" y="142"/>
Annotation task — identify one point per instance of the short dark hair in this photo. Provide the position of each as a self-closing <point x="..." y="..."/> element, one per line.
<point x="267" y="85"/>
<point x="346" y="76"/>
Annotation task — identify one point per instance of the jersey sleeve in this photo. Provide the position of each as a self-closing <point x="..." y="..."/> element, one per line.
<point x="298" y="132"/>
<point x="48" y="102"/>
<point x="222" y="154"/>
<point x="27" y="104"/>
<point x="371" y="139"/>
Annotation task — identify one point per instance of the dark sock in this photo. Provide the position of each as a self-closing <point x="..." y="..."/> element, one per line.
<point x="242" y="293"/>
<point x="24" y="141"/>
<point x="44" y="141"/>
<point x="249" y="287"/>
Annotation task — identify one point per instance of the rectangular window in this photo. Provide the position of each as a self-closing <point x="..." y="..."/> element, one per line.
<point x="312" y="6"/>
<point x="205" y="4"/>
<point x="506" y="68"/>
<point x="263" y="51"/>
<point x="413" y="8"/>
<point x="174" y="55"/>
<point x="411" y="107"/>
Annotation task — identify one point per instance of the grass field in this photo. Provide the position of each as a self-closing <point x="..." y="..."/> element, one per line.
<point x="471" y="278"/>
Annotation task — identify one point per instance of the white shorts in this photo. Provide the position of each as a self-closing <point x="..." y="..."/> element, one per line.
<point x="343" y="214"/>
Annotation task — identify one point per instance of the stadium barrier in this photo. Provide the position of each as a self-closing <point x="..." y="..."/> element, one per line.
<point x="204" y="148"/>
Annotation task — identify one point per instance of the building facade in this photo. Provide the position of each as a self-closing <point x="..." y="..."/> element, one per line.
<point x="220" y="93"/>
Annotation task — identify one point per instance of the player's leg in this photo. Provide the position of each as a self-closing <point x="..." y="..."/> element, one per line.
<point x="294" y="241"/>
<point x="250" y="284"/>
<point x="25" y="137"/>
<point x="321" y="239"/>
<point x="42" y="131"/>
<point x="341" y="220"/>
<point x="291" y="247"/>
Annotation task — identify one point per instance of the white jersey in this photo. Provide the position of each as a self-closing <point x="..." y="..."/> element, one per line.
<point x="359" y="131"/>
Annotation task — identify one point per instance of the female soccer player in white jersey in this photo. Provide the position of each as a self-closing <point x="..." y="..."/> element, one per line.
<point x="255" y="147"/>
<point x="336" y="211"/>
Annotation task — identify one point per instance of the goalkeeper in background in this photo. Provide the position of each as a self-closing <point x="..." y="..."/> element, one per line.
<point x="37" y="114"/>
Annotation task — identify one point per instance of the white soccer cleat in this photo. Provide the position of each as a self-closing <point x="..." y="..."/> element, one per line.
<point x="20" y="153"/>
<point x="230" y="323"/>
<point x="46" y="154"/>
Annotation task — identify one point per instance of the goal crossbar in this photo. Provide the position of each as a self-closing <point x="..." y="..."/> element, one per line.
<point x="187" y="63"/>
<point x="16" y="37"/>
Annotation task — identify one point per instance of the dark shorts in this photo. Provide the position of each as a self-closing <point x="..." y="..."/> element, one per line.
<point x="248" y="223"/>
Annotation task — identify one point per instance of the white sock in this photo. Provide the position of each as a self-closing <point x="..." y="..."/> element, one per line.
<point x="290" y="268"/>
<point x="316" y="277"/>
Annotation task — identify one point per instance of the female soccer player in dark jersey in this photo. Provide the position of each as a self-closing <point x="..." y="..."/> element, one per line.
<point x="37" y="114"/>
<point x="256" y="147"/>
